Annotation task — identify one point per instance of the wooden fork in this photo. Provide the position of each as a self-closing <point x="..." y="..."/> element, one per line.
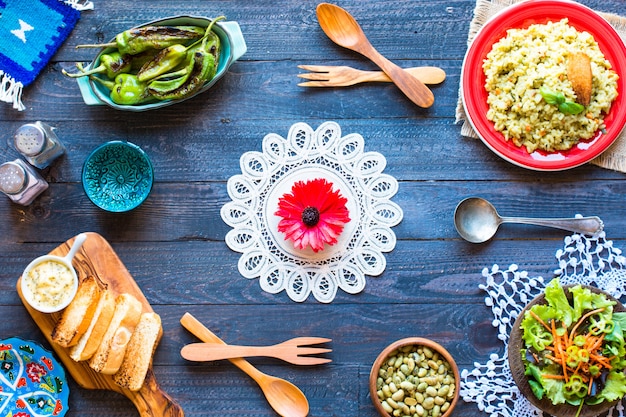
<point x="290" y="351"/>
<point x="343" y="76"/>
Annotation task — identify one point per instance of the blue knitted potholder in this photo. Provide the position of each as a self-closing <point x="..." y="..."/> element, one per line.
<point x="31" y="31"/>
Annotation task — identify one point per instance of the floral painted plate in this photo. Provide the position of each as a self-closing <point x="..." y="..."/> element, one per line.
<point x="32" y="382"/>
<point x="521" y="16"/>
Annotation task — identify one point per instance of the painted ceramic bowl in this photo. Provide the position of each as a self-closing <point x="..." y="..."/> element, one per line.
<point x="117" y="176"/>
<point x="32" y="381"/>
<point x="233" y="46"/>
<point x="427" y="362"/>
<point x="518" y="369"/>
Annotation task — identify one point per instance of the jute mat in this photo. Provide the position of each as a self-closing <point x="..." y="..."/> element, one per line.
<point x="613" y="158"/>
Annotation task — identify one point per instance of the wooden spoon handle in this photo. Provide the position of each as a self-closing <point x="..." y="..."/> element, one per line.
<point x="198" y="329"/>
<point x="413" y="88"/>
<point x="152" y="401"/>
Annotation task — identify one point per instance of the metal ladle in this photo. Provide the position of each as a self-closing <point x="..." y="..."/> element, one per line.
<point x="477" y="220"/>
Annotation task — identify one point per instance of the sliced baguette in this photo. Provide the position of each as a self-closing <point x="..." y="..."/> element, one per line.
<point x="139" y="352"/>
<point x="89" y="342"/>
<point x="110" y="353"/>
<point x="76" y="318"/>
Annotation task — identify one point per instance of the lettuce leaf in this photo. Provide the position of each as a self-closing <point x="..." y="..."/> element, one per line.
<point x="556" y="298"/>
<point x="615" y="387"/>
<point x="584" y="300"/>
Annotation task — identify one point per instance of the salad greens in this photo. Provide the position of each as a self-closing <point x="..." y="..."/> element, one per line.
<point x="575" y="353"/>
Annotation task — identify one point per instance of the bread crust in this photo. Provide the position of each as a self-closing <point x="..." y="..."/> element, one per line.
<point x="88" y="343"/>
<point x="139" y="352"/>
<point x="110" y="353"/>
<point x="77" y="316"/>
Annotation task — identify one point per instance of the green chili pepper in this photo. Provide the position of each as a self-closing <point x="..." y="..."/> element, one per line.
<point x="169" y="58"/>
<point x="136" y="40"/>
<point x="201" y="67"/>
<point x="575" y="388"/>
<point x="126" y="89"/>
<point x="112" y="64"/>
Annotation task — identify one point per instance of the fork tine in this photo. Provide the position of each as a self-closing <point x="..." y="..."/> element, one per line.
<point x="317" y="76"/>
<point x="315" y="68"/>
<point x="315" y="84"/>
<point x="309" y="360"/>
<point x="309" y="340"/>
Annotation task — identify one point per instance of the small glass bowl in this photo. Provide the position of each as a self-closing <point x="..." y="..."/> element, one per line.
<point x="117" y="176"/>
<point x="408" y="346"/>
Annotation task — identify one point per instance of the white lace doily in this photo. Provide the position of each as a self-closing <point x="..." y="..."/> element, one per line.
<point x="583" y="260"/>
<point x="266" y="176"/>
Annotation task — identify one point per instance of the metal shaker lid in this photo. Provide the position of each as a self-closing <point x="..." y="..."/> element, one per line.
<point x="29" y="139"/>
<point x="12" y="178"/>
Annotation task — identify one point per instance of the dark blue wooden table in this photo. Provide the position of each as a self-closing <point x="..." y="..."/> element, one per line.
<point x="174" y="246"/>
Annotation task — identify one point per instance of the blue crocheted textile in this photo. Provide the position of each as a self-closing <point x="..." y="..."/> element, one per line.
<point x="31" y="31"/>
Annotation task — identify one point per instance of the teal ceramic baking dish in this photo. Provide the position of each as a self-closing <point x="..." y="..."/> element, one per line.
<point x="233" y="47"/>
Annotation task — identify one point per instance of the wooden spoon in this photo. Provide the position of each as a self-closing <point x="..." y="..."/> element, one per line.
<point x="344" y="30"/>
<point x="284" y="397"/>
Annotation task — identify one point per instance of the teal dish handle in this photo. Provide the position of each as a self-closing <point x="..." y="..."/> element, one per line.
<point x="238" y="44"/>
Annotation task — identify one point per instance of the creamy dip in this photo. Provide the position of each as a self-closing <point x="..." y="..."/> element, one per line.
<point x="50" y="284"/>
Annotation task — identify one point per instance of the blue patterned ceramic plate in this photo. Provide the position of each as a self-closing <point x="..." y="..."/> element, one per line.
<point x="32" y="382"/>
<point x="117" y="176"/>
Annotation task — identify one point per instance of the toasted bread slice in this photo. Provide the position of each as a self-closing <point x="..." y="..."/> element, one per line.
<point x="110" y="353"/>
<point x="77" y="316"/>
<point x="139" y="352"/>
<point x="90" y="340"/>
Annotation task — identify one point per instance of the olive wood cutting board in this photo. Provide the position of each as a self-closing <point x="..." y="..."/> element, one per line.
<point x="96" y="257"/>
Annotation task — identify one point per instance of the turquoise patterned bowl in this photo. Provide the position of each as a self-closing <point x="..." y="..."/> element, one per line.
<point x="117" y="176"/>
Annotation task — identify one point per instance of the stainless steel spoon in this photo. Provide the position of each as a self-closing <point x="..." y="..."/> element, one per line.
<point x="477" y="220"/>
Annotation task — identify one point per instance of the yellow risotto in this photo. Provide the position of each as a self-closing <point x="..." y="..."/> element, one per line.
<point x="529" y="59"/>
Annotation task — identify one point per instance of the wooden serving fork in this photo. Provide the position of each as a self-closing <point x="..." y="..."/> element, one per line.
<point x="343" y="76"/>
<point x="290" y="351"/>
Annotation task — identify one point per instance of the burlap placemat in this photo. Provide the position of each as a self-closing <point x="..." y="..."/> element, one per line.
<point x="613" y="158"/>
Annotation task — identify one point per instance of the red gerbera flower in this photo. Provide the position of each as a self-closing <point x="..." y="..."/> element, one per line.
<point x="313" y="214"/>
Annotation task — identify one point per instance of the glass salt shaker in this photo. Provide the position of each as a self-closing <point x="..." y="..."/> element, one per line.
<point x="20" y="182"/>
<point x="38" y="143"/>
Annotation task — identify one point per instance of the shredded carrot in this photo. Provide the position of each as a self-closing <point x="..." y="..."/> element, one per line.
<point x="581" y="320"/>
<point x="550" y="376"/>
<point x="575" y="358"/>
<point x="536" y="317"/>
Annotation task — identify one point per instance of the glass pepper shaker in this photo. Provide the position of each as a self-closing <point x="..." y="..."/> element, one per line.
<point x="38" y="143"/>
<point x="20" y="182"/>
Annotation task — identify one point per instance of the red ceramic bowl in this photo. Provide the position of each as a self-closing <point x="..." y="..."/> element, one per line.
<point x="520" y="16"/>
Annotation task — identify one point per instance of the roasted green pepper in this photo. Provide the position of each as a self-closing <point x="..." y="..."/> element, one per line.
<point x="169" y="58"/>
<point x="136" y="40"/>
<point x="126" y="89"/>
<point x="112" y="64"/>
<point x="201" y="67"/>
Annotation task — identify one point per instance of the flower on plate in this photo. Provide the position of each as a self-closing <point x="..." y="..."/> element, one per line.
<point x="312" y="214"/>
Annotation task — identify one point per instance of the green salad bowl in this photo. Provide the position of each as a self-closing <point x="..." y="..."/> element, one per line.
<point x="518" y="368"/>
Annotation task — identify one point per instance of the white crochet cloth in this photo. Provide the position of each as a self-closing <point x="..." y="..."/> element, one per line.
<point x="583" y="260"/>
<point x="308" y="154"/>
